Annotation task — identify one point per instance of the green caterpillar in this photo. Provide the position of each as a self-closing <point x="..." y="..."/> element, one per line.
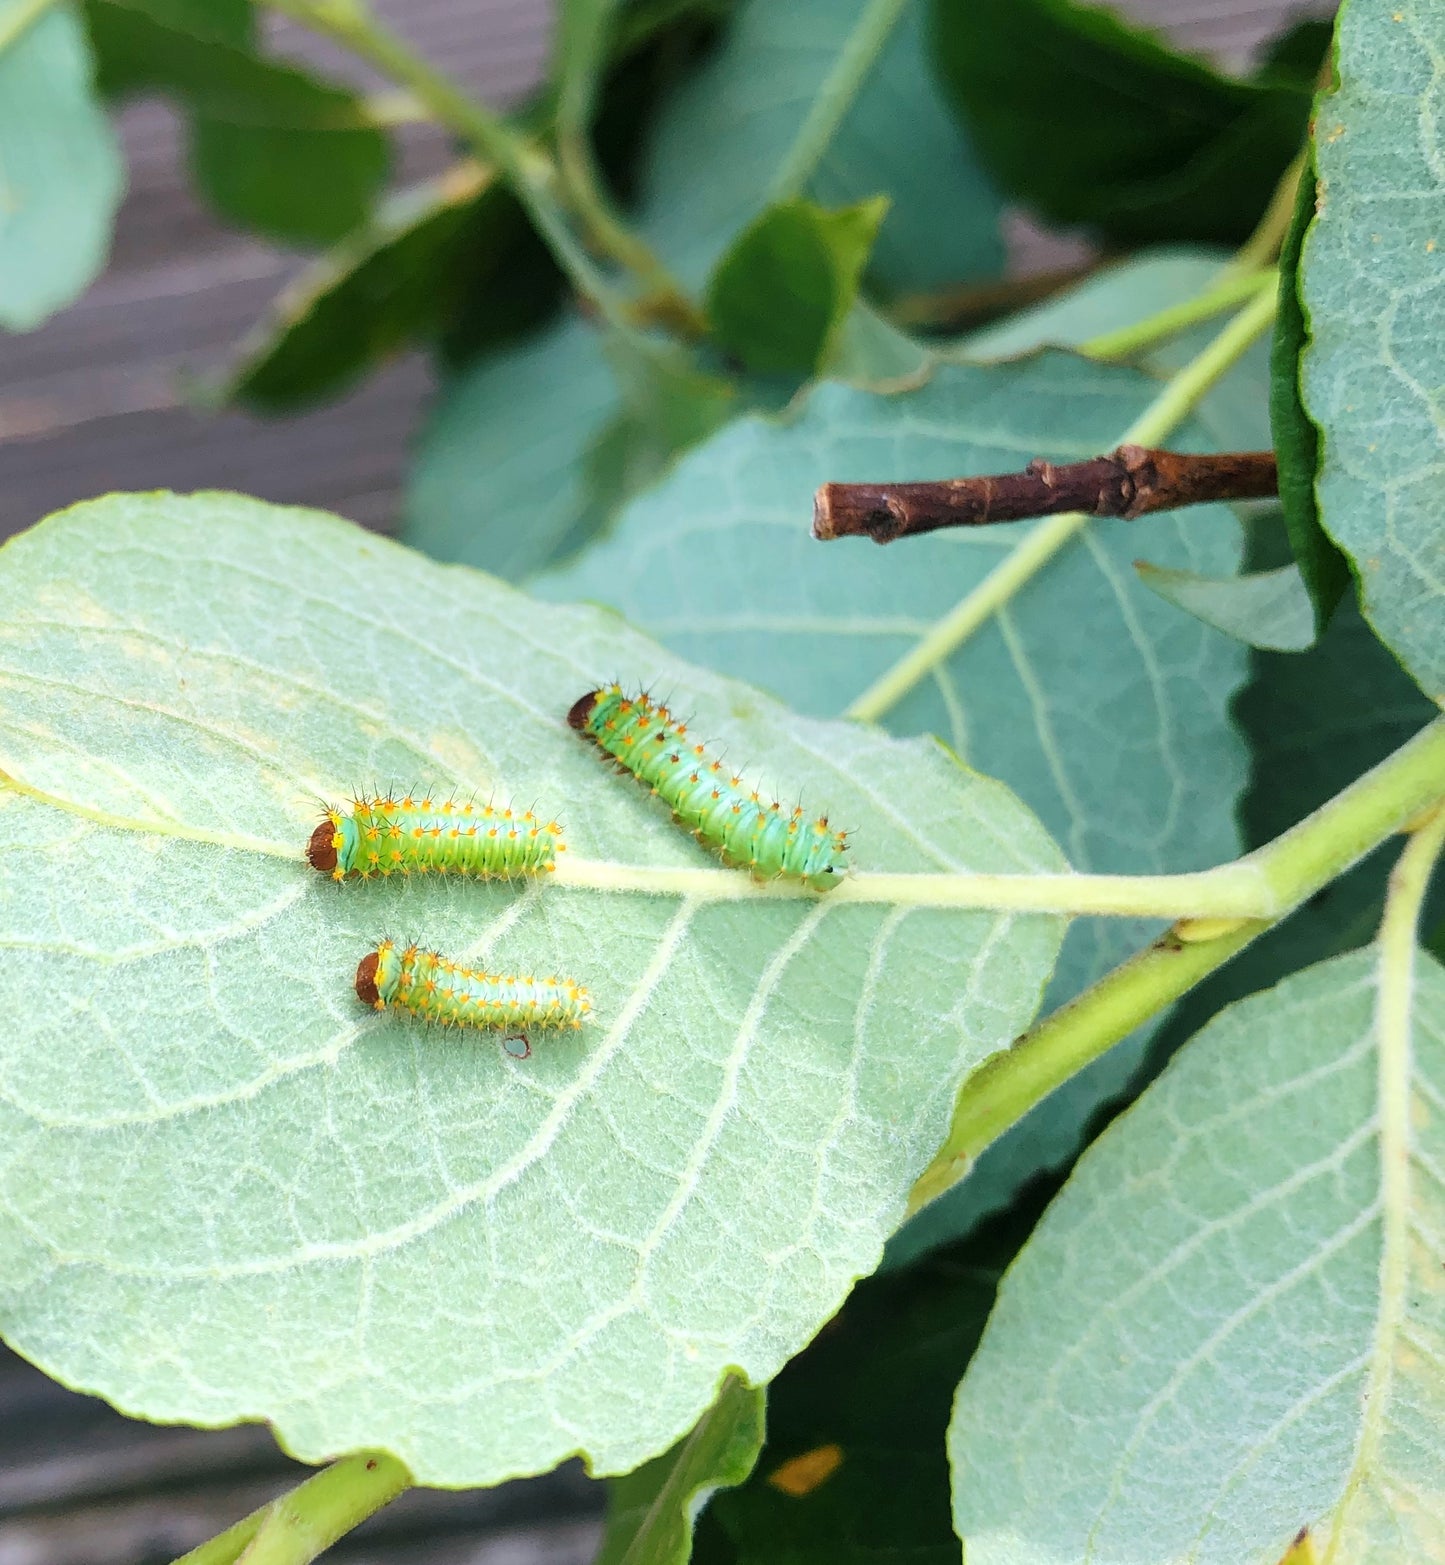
<point x="719" y="808"/>
<point x="428" y="985"/>
<point x="417" y="837"/>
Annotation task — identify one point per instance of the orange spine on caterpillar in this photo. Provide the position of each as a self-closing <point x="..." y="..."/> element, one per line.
<point x="411" y="836"/>
<point x="716" y="805"/>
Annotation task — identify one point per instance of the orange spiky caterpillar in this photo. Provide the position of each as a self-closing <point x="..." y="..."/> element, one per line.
<point x="716" y="805"/>
<point x="419" y="837"/>
<point x="427" y="985"/>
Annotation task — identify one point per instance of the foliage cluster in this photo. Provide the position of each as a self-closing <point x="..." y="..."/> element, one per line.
<point x="1116" y="1067"/>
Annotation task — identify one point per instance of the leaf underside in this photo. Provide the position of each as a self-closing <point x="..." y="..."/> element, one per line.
<point x="229" y="1192"/>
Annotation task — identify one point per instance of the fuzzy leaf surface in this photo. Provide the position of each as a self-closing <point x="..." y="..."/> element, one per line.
<point x="229" y="1192"/>
<point x="1105" y="707"/>
<point x="1230" y="1325"/>
<point x="1372" y="282"/>
<point x="62" y="171"/>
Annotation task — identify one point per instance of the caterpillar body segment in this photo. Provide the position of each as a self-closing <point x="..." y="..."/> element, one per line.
<point x="420" y="837"/>
<point x="714" y="803"/>
<point x="430" y="986"/>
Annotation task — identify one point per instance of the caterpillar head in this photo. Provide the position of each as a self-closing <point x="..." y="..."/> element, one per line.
<point x="321" y="850"/>
<point x="581" y="710"/>
<point x="366" y="990"/>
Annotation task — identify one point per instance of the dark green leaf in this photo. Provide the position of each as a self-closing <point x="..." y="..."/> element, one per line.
<point x="1324" y="568"/>
<point x="309" y="185"/>
<point x="854" y="1468"/>
<point x="454" y="256"/>
<point x="1297" y="53"/>
<point x="779" y="296"/>
<point x="120" y="33"/>
<point x="1267" y="609"/>
<point x="651" y="1512"/>
<point x="272" y="147"/>
<point x="1095" y="121"/>
<point x="61" y="177"/>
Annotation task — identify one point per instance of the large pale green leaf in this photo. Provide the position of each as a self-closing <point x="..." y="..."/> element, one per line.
<point x="1111" y="298"/>
<point x="720" y="144"/>
<point x="61" y="177"/>
<point x="227" y="1192"/>
<point x="1234" y="413"/>
<point x="1105" y="707"/>
<point x="1231" y="1324"/>
<point x="651" y="1512"/>
<point x="1372" y="282"/>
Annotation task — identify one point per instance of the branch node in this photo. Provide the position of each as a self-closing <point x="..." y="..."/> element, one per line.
<point x="1129" y="482"/>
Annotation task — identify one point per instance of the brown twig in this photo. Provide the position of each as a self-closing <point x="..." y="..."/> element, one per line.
<point x="1129" y="482"/>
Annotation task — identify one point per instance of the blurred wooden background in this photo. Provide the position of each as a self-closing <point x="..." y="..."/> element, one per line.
<point x="90" y="403"/>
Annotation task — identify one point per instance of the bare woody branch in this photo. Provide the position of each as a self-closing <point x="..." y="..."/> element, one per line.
<point x="1129" y="482"/>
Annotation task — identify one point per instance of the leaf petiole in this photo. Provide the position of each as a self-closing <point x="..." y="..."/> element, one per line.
<point x="296" y="1526"/>
<point x="1296" y="865"/>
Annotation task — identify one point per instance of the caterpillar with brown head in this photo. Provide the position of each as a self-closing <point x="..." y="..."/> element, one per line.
<point x="715" y="804"/>
<point x="410" y="836"/>
<point x="427" y="985"/>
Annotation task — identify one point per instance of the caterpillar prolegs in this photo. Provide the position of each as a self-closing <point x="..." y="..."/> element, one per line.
<point x="719" y="808"/>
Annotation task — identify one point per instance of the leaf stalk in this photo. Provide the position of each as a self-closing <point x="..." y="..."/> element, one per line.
<point x="1388" y="799"/>
<point x="298" y="1525"/>
<point x="530" y="171"/>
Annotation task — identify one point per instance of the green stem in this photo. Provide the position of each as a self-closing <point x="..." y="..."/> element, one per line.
<point x="23" y="16"/>
<point x="583" y="52"/>
<point x="1230" y="289"/>
<point x="1263" y="245"/>
<point x="1178" y="399"/>
<point x="835" y="97"/>
<point x="1002" y="1090"/>
<point x="529" y="171"/>
<point x="1232" y="891"/>
<point x="296" y="1526"/>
